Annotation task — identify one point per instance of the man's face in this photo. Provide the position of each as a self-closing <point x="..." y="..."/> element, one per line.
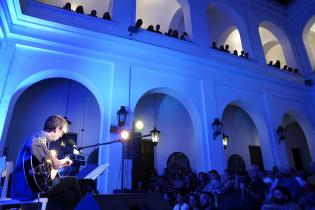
<point x="278" y="196"/>
<point x="59" y="132"/>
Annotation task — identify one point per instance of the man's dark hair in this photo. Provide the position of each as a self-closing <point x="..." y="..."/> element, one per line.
<point x="53" y="122"/>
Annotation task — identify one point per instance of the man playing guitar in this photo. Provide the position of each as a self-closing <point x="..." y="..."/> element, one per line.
<point x="35" y="160"/>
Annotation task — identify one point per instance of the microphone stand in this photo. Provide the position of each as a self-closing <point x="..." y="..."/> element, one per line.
<point x="122" y="156"/>
<point x="99" y="144"/>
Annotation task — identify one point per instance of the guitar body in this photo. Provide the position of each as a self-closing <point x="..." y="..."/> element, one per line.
<point x="37" y="174"/>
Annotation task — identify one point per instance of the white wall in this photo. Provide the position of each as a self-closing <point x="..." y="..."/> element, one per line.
<point x="101" y="6"/>
<point x="241" y="131"/>
<point x="156" y="12"/>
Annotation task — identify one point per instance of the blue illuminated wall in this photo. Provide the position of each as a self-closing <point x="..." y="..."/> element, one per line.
<point x="40" y="42"/>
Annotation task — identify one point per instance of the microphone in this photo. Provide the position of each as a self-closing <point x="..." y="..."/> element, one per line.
<point x="76" y="150"/>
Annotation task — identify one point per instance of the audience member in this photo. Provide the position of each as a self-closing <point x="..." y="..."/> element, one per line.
<point x="221" y="48"/>
<point x="175" y="34"/>
<point x="246" y="55"/>
<point x="242" y="53"/>
<point x="205" y="200"/>
<point x="295" y="71"/>
<point x="254" y="191"/>
<point x="235" y="52"/>
<point x="290" y="69"/>
<point x="194" y="202"/>
<point x="277" y="64"/>
<point x="67" y="6"/>
<point x="214" y="45"/>
<point x="285" y="67"/>
<point x="202" y="182"/>
<point x="226" y="49"/>
<point x="107" y="16"/>
<point x="79" y="9"/>
<point x="288" y="181"/>
<point x="214" y="185"/>
<point x="281" y="200"/>
<point x="157" y="29"/>
<point x="184" y="36"/>
<point x="169" y="32"/>
<point x="93" y="13"/>
<point x="180" y="202"/>
<point x="150" y="28"/>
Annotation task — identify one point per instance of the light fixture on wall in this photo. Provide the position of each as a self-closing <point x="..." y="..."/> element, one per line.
<point x="155" y="134"/>
<point x="281" y="134"/>
<point x="225" y="141"/>
<point x="122" y="114"/>
<point x="217" y="128"/>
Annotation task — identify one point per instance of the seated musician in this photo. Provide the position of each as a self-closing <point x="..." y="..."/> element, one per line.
<point x="30" y="177"/>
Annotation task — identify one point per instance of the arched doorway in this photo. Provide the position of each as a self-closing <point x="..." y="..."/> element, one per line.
<point x="296" y="145"/>
<point x="243" y="136"/>
<point x="309" y="40"/>
<point x="172" y="119"/>
<point x="53" y="96"/>
<point x="167" y="13"/>
<point x="272" y="48"/>
<point x="223" y="24"/>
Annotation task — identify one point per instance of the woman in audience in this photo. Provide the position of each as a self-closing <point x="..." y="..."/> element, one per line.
<point x="180" y="202"/>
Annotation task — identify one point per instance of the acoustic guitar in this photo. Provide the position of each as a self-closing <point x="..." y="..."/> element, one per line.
<point x="38" y="175"/>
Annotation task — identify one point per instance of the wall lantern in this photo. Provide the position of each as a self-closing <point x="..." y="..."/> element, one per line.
<point x="122" y="116"/>
<point x="281" y="134"/>
<point x="155" y="135"/>
<point x="217" y="127"/>
<point x="225" y="141"/>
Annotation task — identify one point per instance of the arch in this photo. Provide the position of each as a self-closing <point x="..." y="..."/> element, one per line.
<point x="201" y="146"/>
<point x="269" y="32"/>
<point x="305" y="125"/>
<point x="178" y="21"/>
<point x="308" y="37"/>
<point x="222" y="21"/>
<point x="165" y="13"/>
<point x="269" y="157"/>
<point x="48" y="74"/>
<point x="242" y="132"/>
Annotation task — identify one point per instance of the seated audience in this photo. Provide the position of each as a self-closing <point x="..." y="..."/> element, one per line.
<point x="107" y="16"/>
<point x="214" y="45"/>
<point x="194" y="202"/>
<point x="206" y="200"/>
<point x="226" y="49"/>
<point x="93" y="13"/>
<point x="180" y="202"/>
<point x="79" y="9"/>
<point x="150" y="28"/>
<point x="288" y="181"/>
<point x="169" y="32"/>
<point x="277" y="64"/>
<point x="246" y="55"/>
<point x="281" y="200"/>
<point x="184" y="36"/>
<point x="175" y="34"/>
<point x="157" y="29"/>
<point x="67" y="6"/>
<point x="254" y="191"/>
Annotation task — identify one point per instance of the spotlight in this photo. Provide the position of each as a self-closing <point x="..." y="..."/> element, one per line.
<point x="124" y="134"/>
<point x="139" y="125"/>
